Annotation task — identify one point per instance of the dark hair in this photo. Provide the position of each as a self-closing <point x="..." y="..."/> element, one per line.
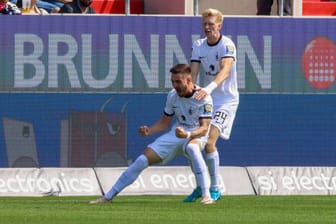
<point x="180" y="69"/>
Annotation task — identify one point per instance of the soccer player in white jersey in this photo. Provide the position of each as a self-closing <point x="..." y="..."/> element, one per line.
<point x="188" y="135"/>
<point x="217" y="55"/>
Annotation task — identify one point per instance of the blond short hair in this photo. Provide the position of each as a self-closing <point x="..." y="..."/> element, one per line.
<point x="213" y="12"/>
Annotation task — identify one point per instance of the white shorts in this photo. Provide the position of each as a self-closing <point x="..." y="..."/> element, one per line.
<point x="168" y="146"/>
<point x="223" y="118"/>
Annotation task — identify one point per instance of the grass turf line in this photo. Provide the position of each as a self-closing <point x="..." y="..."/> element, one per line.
<point x="168" y="209"/>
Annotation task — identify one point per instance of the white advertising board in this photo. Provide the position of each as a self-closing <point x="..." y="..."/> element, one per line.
<point x="175" y="180"/>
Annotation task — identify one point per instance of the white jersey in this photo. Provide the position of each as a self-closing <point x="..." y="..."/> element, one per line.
<point x="187" y="111"/>
<point x="210" y="57"/>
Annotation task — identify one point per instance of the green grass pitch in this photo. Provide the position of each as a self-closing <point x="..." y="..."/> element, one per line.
<point x="168" y="209"/>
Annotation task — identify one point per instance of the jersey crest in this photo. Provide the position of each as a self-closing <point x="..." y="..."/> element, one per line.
<point x="208" y="109"/>
<point x="230" y="50"/>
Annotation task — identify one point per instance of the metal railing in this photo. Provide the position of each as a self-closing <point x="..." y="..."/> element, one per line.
<point x="281" y="7"/>
<point x="127" y="7"/>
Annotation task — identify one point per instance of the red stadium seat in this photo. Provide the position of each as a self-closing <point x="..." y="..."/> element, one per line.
<point x="318" y="8"/>
<point x="117" y="6"/>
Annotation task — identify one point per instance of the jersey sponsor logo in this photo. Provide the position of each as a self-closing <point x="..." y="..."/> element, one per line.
<point x="210" y="74"/>
<point x="211" y="71"/>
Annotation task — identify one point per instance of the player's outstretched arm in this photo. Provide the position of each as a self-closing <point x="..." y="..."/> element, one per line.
<point x="194" y="67"/>
<point x="222" y="75"/>
<point x="160" y="125"/>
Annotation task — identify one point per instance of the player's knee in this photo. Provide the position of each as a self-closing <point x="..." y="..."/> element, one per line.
<point x="210" y="147"/>
<point x="211" y="143"/>
<point x="192" y="150"/>
<point x="152" y="156"/>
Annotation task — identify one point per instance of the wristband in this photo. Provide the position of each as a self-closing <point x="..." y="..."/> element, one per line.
<point x="209" y="88"/>
<point x="188" y="134"/>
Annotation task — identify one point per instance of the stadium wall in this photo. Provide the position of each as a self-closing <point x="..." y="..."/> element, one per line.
<point x="74" y="89"/>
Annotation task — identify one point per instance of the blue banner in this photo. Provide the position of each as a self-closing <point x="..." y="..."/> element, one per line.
<point x="135" y="53"/>
<point x="74" y="89"/>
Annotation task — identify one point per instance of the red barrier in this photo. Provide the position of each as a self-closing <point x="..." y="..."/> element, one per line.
<point x="117" y="6"/>
<point x="318" y="8"/>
